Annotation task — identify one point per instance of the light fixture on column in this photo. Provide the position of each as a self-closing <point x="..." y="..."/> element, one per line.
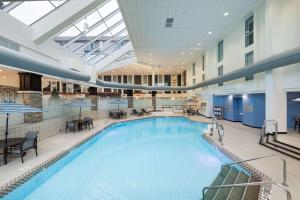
<point x="85" y="25"/>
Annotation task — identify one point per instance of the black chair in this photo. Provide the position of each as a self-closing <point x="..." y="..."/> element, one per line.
<point x="114" y="115"/>
<point x="297" y="122"/>
<point x="29" y="143"/>
<point x="88" y="122"/>
<point x="70" y="126"/>
<point x="123" y="114"/>
<point x="136" y="113"/>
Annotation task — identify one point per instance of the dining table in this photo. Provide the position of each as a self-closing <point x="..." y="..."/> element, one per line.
<point x="10" y="142"/>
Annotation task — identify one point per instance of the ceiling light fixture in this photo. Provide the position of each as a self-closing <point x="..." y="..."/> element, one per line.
<point x="209" y="32"/>
<point x="226" y="14"/>
<point x="199" y="44"/>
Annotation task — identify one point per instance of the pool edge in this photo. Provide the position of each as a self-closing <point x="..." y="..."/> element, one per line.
<point x="18" y="181"/>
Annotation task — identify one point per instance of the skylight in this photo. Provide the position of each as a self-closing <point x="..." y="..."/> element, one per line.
<point x="97" y="34"/>
<point x="29" y="12"/>
<point x="108" y="8"/>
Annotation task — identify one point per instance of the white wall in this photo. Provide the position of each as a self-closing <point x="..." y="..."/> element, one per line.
<point x="276" y="29"/>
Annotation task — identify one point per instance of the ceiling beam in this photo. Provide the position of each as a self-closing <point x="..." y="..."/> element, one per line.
<point x="62" y="18"/>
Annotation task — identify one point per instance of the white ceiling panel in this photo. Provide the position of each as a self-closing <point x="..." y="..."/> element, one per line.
<point x="193" y="19"/>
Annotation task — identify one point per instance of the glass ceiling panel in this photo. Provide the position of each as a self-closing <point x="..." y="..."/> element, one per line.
<point x="30" y="11"/>
<point x="71" y="32"/>
<point x="111" y="21"/>
<point x="90" y="20"/>
<point x="124" y="34"/>
<point x="106" y="37"/>
<point x="100" y="29"/>
<point x="118" y="28"/>
<point x="57" y="3"/>
<point x="108" y="8"/>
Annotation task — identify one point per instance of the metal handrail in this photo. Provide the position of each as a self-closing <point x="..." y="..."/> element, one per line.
<point x="219" y="127"/>
<point x="265" y="124"/>
<point x="284" y="176"/>
<point x="287" y="192"/>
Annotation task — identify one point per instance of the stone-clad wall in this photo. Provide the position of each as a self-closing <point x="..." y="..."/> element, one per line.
<point x="33" y="99"/>
<point x="46" y="128"/>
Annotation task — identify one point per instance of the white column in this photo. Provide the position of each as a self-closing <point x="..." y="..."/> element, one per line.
<point x="276" y="100"/>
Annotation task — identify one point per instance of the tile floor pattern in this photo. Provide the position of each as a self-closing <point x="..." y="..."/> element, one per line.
<point x="239" y="139"/>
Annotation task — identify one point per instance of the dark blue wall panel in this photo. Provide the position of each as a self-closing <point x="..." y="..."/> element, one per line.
<point x="252" y="107"/>
<point x="293" y="108"/>
<point x="254" y="110"/>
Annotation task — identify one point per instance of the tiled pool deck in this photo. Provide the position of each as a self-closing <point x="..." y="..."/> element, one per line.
<point x="241" y="140"/>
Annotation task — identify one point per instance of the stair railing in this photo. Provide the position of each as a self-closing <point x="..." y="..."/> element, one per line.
<point x="284" y="165"/>
<point x="219" y="127"/>
<point x="284" y="188"/>
<point x="267" y="123"/>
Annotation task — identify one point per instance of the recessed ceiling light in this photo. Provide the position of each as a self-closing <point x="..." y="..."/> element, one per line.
<point x="209" y="32"/>
<point x="199" y="44"/>
<point x="226" y="14"/>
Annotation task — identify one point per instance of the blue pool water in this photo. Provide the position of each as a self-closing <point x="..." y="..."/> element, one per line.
<point x="156" y="158"/>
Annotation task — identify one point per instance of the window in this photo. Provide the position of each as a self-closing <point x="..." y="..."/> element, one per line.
<point x="220" y="51"/>
<point x="203" y="77"/>
<point x="249" y="35"/>
<point x="248" y="61"/>
<point x="145" y="80"/>
<point x="220" y="73"/>
<point x="29" y="12"/>
<point x="203" y="63"/>
<point x="194" y="69"/>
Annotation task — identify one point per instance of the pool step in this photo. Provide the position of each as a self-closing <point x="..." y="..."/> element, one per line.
<point x="283" y="148"/>
<point x="231" y="175"/>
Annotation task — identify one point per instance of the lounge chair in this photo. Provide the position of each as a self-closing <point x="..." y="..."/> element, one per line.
<point x="145" y="111"/>
<point x="29" y="143"/>
<point x="136" y="113"/>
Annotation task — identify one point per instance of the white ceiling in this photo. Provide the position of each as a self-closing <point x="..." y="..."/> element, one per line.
<point x="193" y="19"/>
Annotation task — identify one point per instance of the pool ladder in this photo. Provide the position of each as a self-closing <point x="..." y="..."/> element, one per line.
<point x="241" y="187"/>
<point x="216" y="125"/>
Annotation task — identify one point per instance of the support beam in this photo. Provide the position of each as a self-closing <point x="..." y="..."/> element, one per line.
<point x="62" y="18"/>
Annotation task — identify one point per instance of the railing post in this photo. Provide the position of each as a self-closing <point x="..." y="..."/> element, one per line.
<point x="284" y="172"/>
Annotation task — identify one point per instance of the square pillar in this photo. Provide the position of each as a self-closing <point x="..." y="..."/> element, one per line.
<point x="31" y="93"/>
<point x="276" y="100"/>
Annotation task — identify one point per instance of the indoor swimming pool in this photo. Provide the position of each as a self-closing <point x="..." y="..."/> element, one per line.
<point x="152" y="158"/>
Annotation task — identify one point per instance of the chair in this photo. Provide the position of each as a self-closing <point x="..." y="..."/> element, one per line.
<point x="123" y="114"/>
<point x="88" y="122"/>
<point x="29" y="143"/>
<point x="71" y="126"/>
<point x="145" y="111"/>
<point x="297" y="122"/>
<point x="114" y="115"/>
<point x="136" y="113"/>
